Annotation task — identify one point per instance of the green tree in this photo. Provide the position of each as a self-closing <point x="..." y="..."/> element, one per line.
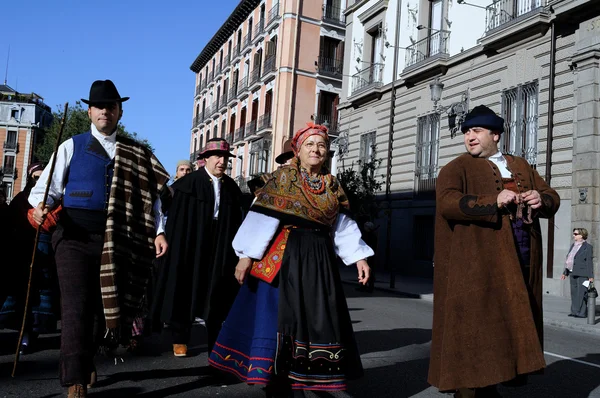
<point x="361" y="185"/>
<point x="77" y="122"/>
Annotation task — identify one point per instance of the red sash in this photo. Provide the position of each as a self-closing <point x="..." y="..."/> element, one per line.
<point x="268" y="267"/>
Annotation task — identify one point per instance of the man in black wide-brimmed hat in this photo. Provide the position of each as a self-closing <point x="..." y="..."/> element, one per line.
<point x="487" y="314"/>
<point x="110" y="224"/>
<point x="197" y="279"/>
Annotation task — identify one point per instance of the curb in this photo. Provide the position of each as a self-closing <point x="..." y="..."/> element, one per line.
<point x="584" y="328"/>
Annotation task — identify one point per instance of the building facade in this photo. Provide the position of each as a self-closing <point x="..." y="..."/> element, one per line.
<point x="23" y="118"/>
<point x="534" y="62"/>
<point x="270" y="68"/>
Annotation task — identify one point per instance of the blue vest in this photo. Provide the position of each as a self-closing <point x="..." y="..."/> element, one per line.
<point x="90" y="175"/>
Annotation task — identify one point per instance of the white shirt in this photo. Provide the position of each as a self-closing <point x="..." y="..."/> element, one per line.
<point x="257" y="231"/>
<point x="64" y="155"/>
<point x="500" y="161"/>
<point x="217" y="187"/>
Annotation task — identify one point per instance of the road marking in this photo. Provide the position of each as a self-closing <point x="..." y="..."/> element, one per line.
<point x="595" y="365"/>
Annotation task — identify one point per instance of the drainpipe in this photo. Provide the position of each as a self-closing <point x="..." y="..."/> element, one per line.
<point x="548" y="177"/>
<point x="388" y="181"/>
<point x="299" y="4"/>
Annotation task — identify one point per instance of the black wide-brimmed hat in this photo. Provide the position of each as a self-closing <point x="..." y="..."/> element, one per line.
<point x="103" y="91"/>
<point x="482" y="116"/>
<point x="286" y="154"/>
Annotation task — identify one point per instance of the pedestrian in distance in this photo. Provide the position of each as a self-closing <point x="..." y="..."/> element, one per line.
<point x="290" y="327"/>
<point x="184" y="167"/>
<point x="580" y="270"/>
<point x="487" y="316"/>
<point x="109" y="232"/>
<point x="196" y="279"/>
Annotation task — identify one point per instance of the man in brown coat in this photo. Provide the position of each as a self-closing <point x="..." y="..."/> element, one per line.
<point x="487" y="319"/>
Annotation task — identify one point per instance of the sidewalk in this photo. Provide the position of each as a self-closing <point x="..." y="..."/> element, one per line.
<point x="556" y="309"/>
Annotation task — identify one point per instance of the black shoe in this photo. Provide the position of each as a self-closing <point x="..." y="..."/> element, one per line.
<point x="580" y="316"/>
<point x="571" y="315"/>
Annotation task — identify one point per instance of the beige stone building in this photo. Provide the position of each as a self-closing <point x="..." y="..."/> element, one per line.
<point x="535" y="62"/>
<point x="270" y="68"/>
<point x="22" y="120"/>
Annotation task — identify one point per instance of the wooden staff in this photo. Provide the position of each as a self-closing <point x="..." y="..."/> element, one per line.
<point x="37" y="236"/>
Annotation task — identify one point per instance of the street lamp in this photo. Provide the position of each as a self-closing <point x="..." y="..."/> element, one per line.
<point x="456" y="111"/>
<point x="470" y="4"/>
<point x="421" y="27"/>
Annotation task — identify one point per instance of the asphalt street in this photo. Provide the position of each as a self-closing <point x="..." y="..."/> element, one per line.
<point x="393" y="333"/>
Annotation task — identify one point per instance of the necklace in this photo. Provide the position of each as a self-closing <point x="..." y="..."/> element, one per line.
<point x="314" y="185"/>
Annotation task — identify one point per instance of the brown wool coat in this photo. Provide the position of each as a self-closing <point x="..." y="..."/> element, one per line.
<point x="487" y="321"/>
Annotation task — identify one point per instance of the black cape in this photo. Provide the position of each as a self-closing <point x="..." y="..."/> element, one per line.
<point x="197" y="278"/>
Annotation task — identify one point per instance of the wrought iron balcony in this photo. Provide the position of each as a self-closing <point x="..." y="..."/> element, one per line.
<point x="229" y="138"/>
<point x="194" y="155"/>
<point x="370" y="77"/>
<point x="331" y="67"/>
<point x="223" y="103"/>
<point x="210" y="77"/>
<point x="269" y="66"/>
<point x="239" y="134"/>
<point x="236" y="52"/>
<point x="217" y="69"/>
<point x="9" y="171"/>
<point x="255" y="77"/>
<point x="334" y="15"/>
<point x="243" y="85"/>
<point x="250" y="129"/>
<point x="327" y="121"/>
<point x="11" y="146"/>
<point x="232" y="93"/>
<point x="209" y="111"/>
<point x="431" y="46"/>
<point x="264" y="122"/>
<point x="259" y="29"/>
<point x="199" y="118"/>
<point x="501" y="12"/>
<point x="203" y="84"/>
<point x="273" y="14"/>
<point x="247" y="40"/>
<point x="198" y="90"/>
<point x="226" y="61"/>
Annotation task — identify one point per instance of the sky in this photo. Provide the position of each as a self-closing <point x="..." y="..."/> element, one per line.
<point x="58" y="48"/>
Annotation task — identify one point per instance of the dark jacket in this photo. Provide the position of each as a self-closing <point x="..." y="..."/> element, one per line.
<point x="582" y="263"/>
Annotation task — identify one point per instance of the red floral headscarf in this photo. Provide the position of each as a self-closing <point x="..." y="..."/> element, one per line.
<point x="302" y="134"/>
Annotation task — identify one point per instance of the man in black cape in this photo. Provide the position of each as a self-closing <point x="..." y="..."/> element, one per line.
<point x="197" y="279"/>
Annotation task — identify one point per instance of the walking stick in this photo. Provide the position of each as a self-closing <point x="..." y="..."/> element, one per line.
<point x="37" y="237"/>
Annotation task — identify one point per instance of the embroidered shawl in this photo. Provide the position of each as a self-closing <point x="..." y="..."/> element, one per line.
<point x="128" y="250"/>
<point x="285" y="192"/>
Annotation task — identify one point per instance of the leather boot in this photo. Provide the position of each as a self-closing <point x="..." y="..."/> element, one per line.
<point x="77" y="391"/>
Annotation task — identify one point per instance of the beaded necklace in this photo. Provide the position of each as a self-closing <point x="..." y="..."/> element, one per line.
<point x="315" y="185"/>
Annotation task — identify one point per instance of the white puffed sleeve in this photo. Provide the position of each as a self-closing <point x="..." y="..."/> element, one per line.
<point x="348" y="242"/>
<point x="254" y="235"/>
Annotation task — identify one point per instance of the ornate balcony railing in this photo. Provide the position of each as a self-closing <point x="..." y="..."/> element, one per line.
<point x="269" y="66"/>
<point x="239" y="134"/>
<point x="264" y="122"/>
<point x="273" y="14"/>
<point x="224" y="101"/>
<point x="209" y="111"/>
<point x="367" y="78"/>
<point x="236" y="52"/>
<point x="210" y="77"/>
<point x="329" y="122"/>
<point x="331" y="66"/>
<point x="250" y="128"/>
<point x="255" y="76"/>
<point x="226" y="61"/>
<point x="194" y="155"/>
<point x="9" y="171"/>
<point x="243" y="85"/>
<point x="199" y="118"/>
<point x="232" y="93"/>
<point x="259" y="29"/>
<point x="11" y="146"/>
<point x="247" y="40"/>
<point x="217" y="69"/>
<point x="229" y="138"/>
<point x="431" y="46"/>
<point x="198" y="90"/>
<point x="333" y="15"/>
<point x="501" y="12"/>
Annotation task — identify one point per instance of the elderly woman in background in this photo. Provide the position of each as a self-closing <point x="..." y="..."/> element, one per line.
<point x="289" y="327"/>
<point x="580" y="268"/>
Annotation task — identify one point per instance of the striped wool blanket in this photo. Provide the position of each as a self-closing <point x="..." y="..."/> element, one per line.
<point x="128" y="250"/>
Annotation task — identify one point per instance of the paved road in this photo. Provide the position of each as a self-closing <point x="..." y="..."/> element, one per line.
<point x="393" y="333"/>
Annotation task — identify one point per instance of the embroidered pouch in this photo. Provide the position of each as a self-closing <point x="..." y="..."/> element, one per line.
<point x="268" y="267"/>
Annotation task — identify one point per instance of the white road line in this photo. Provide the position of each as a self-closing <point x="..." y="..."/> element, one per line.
<point x="595" y="365"/>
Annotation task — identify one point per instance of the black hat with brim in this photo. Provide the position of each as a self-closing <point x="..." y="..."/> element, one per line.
<point x="482" y="116"/>
<point x="104" y="91"/>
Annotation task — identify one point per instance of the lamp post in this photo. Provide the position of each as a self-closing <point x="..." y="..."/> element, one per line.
<point x="456" y="111"/>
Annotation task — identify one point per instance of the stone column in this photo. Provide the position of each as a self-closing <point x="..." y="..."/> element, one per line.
<point x="586" y="133"/>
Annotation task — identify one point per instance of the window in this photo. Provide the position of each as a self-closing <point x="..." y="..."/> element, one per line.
<point x="428" y="143"/>
<point x="435" y="24"/>
<point x="215" y="131"/>
<point x="520" y="113"/>
<point x="367" y="147"/>
<point x="259" y="156"/>
<point x="223" y="127"/>
<point x="14" y="114"/>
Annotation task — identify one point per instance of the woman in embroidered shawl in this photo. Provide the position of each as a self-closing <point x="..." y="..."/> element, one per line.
<point x="294" y="332"/>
